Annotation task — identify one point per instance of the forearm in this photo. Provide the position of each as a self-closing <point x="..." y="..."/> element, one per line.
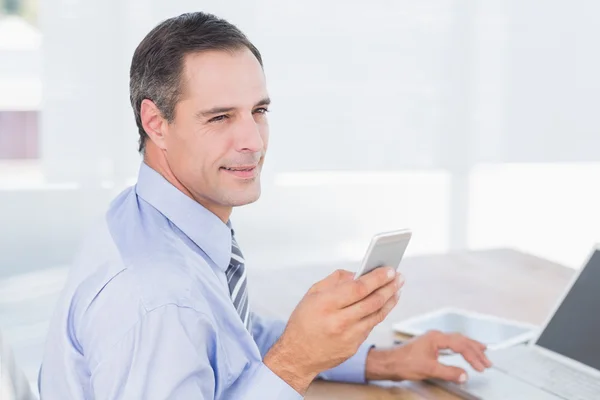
<point x="289" y="368"/>
<point x="266" y="333"/>
<point x="378" y="365"/>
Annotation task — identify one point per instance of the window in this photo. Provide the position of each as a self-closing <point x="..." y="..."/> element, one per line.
<point x="18" y="135"/>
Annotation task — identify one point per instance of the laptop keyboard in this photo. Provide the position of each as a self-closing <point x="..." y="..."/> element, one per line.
<point x="548" y="374"/>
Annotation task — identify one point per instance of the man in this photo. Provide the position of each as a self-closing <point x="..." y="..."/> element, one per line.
<point x="157" y="304"/>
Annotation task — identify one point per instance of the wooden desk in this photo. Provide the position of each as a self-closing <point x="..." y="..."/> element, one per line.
<point x="503" y="282"/>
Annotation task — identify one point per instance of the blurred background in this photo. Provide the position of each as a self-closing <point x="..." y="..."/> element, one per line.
<point x="476" y="124"/>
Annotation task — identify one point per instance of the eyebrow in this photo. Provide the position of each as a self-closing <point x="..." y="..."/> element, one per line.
<point x="220" y="110"/>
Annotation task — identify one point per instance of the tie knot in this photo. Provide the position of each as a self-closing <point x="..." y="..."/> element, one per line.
<point x="228" y="223"/>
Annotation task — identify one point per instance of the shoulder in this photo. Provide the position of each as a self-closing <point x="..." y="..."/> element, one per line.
<point x="134" y="262"/>
<point x="150" y="296"/>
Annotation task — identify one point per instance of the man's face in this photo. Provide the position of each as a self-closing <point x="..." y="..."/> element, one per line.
<point x="216" y="144"/>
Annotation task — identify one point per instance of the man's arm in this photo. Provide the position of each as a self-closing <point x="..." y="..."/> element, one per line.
<point x="171" y="353"/>
<point x="266" y="332"/>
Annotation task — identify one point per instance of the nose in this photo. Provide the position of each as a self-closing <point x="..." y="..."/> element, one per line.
<point x="248" y="136"/>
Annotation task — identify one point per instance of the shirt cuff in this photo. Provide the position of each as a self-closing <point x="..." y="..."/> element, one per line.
<point x="272" y="386"/>
<point x="352" y="370"/>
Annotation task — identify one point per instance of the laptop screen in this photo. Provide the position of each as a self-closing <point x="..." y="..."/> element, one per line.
<point x="574" y="330"/>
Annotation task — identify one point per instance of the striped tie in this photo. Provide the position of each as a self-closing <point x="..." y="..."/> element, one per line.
<point x="237" y="282"/>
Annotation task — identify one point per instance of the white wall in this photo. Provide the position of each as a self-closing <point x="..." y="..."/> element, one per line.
<point x="429" y="99"/>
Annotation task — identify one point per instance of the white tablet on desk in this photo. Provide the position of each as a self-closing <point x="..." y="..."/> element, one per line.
<point x="493" y="331"/>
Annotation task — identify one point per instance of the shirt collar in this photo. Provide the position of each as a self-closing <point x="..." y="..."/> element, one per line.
<point x="199" y="224"/>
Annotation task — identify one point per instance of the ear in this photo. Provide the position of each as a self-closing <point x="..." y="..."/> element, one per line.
<point x="153" y="122"/>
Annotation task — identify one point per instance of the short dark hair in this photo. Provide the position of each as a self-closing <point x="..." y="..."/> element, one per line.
<point x="158" y="61"/>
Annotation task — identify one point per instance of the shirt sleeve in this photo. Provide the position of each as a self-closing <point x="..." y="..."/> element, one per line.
<point x="352" y="370"/>
<point x="267" y="331"/>
<point x="170" y="353"/>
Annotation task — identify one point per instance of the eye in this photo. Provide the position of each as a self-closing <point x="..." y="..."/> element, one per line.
<point x="261" y="110"/>
<point x="219" y="118"/>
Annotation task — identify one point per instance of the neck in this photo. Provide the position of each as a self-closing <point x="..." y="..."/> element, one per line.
<point x="155" y="159"/>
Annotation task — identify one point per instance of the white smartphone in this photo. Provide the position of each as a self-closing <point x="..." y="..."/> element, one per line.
<point x="386" y="250"/>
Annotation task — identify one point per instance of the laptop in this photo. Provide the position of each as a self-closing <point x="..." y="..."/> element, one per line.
<point x="562" y="362"/>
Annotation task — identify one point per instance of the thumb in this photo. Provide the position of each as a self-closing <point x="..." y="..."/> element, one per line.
<point x="449" y="373"/>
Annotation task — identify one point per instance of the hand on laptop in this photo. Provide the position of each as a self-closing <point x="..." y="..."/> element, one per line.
<point x="330" y="323"/>
<point x="417" y="359"/>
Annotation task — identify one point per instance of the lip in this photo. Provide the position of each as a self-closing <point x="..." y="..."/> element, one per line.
<point x="248" y="173"/>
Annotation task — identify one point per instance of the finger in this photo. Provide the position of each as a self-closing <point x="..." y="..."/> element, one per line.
<point x="353" y="291"/>
<point x="480" y="353"/>
<point x="479" y="345"/>
<point x="366" y="325"/>
<point x="462" y="345"/>
<point x="449" y="373"/>
<point x="333" y="279"/>
<point x="474" y="351"/>
<point x="471" y="356"/>
<point x="453" y="341"/>
<point x="480" y="349"/>
<point x="486" y="361"/>
<point x="372" y="303"/>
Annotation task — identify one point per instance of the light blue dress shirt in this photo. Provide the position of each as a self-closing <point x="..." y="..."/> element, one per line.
<point x="147" y="314"/>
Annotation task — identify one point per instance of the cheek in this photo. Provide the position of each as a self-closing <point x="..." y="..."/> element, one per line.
<point x="264" y="133"/>
<point x="184" y="148"/>
<point x="208" y="151"/>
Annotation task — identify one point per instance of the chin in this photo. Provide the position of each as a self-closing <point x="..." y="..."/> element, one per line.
<point x="245" y="197"/>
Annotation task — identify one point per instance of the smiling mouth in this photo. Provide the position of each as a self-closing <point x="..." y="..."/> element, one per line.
<point x="246" y="169"/>
<point x="244" y="172"/>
